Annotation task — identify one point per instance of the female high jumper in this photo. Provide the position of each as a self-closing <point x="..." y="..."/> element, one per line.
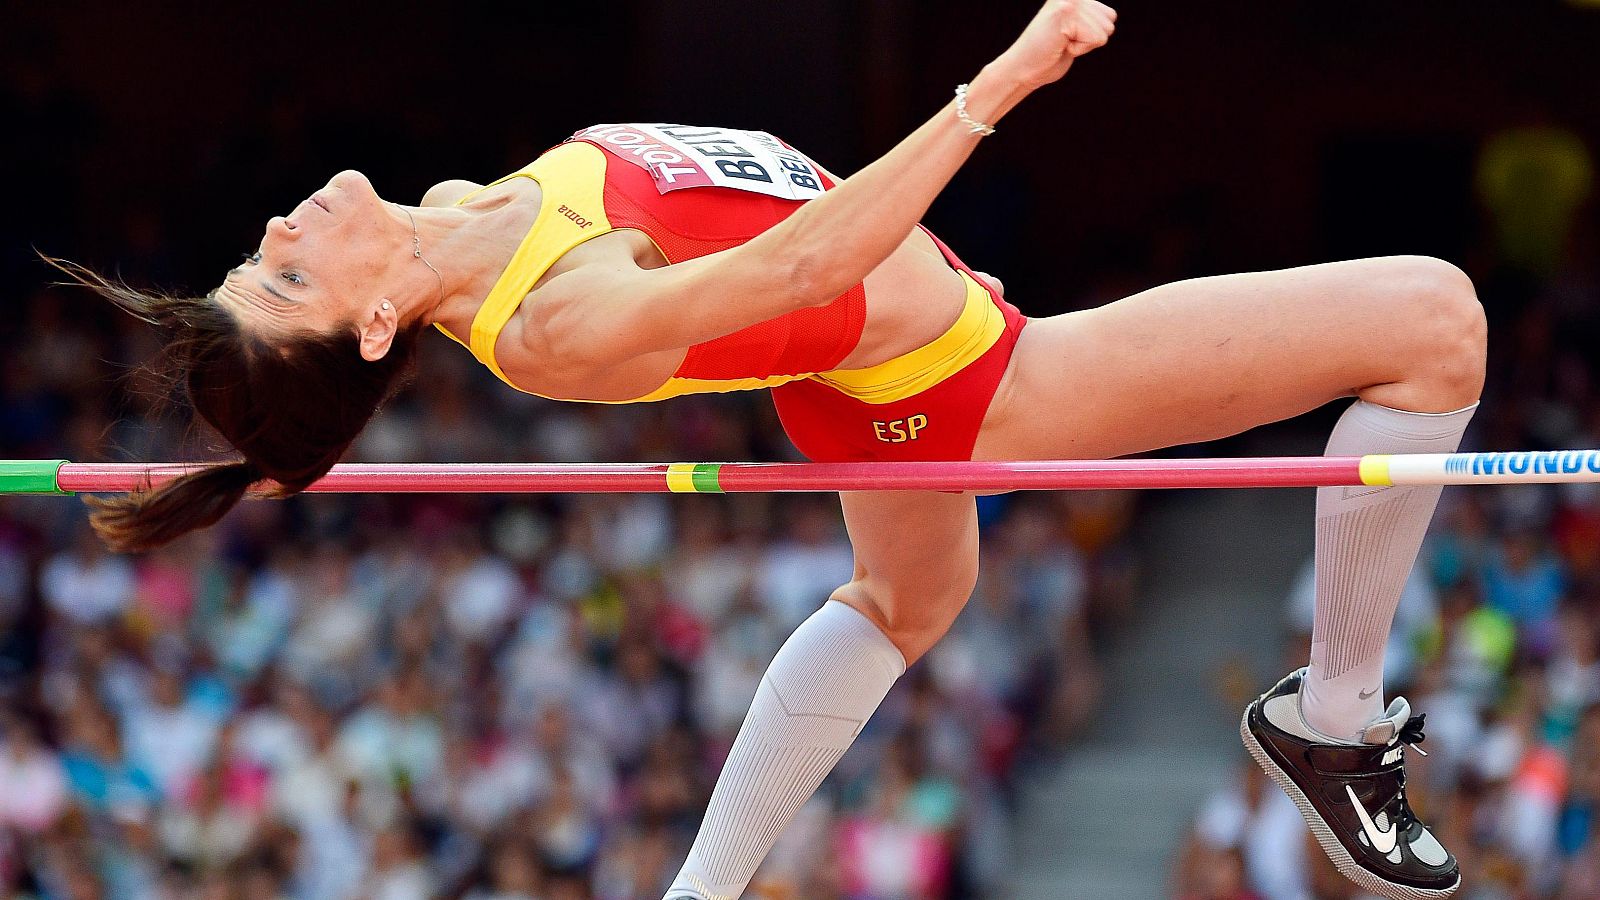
<point x="636" y="262"/>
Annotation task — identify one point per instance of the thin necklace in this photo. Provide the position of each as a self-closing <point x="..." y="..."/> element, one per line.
<point x="416" y="250"/>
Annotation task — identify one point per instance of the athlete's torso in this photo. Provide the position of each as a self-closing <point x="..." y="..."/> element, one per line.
<point x="612" y="197"/>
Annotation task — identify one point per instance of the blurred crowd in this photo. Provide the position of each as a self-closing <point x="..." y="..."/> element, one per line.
<point x="1497" y="639"/>
<point x="398" y="698"/>
<point x="392" y="698"/>
<point x="403" y="698"/>
<point x="529" y="699"/>
<point x="329" y="699"/>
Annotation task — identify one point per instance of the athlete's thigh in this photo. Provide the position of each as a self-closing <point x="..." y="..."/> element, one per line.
<point x="916" y="553"/>
<point x="1200" y="359"/>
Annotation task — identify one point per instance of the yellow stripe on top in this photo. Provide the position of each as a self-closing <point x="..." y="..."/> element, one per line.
<point x="976" y="330"/>
<point x="677" y="387"/>
<point x="572" y="177"/>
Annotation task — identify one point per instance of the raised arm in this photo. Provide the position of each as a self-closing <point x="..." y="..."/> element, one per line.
<point x="830" y="243"/>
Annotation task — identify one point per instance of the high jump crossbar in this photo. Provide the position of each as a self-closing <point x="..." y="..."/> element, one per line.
<point x="1525" y="467"/>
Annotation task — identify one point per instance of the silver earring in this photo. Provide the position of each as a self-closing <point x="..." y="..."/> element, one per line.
<point x="385" y="304"/>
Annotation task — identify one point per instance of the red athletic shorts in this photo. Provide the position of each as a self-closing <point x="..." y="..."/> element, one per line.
<point x="926" y="405"/>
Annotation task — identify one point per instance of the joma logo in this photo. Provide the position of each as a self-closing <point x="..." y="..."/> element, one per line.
<point x="581" y="221"/>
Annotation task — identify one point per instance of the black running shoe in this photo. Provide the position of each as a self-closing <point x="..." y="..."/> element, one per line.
<point x="1353" y="795"/>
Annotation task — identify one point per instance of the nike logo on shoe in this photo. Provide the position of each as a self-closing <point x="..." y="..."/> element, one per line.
<point x="1382" y="841"/>
<point x="1365" y="694"/>
<point x="1320" y="774"/>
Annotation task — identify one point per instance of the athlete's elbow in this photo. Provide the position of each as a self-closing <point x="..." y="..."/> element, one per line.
<point x="804" y="259"/>
<point x="799" y="278"/>
<point x="814" y="279"/>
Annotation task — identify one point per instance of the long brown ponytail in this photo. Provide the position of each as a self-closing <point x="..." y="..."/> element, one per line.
<point x="290" y="407"/>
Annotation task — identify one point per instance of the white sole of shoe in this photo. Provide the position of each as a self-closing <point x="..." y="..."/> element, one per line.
<point x="1342" y="860"/>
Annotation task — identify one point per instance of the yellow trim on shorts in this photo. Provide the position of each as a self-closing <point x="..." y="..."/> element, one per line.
<point x="979" y="326"/>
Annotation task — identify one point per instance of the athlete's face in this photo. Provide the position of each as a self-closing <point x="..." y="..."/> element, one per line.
<point x="322" y="267"/>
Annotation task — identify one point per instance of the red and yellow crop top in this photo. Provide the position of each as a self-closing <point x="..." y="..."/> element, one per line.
<point x="633" y="176"/>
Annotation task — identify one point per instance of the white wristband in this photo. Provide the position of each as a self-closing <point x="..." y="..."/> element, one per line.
<point x="973" y="125"/>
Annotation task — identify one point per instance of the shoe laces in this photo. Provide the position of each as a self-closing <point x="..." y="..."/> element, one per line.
<point x="1410" y="735"/>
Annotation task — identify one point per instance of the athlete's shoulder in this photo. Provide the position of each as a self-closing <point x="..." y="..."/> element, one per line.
<point x="449" y="193"/>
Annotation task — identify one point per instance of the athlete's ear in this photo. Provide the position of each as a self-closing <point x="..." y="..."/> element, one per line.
<point x="378" y="331"/>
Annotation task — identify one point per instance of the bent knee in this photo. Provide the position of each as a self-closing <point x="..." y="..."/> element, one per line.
<point x="913" y="619"/>
<point x="1437" y="302"/>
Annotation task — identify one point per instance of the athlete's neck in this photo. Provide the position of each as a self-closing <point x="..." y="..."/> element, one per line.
<point x="470" y="245"/>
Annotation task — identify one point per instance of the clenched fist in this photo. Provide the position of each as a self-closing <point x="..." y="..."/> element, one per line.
<point x="1062" y="31"/>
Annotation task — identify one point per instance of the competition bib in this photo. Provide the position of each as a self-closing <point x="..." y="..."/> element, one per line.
<point x="690" y="156"/>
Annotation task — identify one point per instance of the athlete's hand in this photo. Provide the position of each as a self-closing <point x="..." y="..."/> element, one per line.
<point x="1062" y="31"/>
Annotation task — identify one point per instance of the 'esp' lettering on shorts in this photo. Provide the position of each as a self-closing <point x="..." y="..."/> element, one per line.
<point x="898" y="431"/>
<point x="572" y="214"/>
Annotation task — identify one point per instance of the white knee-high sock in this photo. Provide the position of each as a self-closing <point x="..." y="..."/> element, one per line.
<point x="821" y="688"/>
<point x="1367" y="542"/>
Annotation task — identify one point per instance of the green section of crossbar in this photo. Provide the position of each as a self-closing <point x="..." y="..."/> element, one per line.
<point x="30" y="476"/>
<point x="707" y="478"/>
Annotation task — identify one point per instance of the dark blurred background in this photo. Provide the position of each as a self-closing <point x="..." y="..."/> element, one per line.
<point x="529" y="698"/>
